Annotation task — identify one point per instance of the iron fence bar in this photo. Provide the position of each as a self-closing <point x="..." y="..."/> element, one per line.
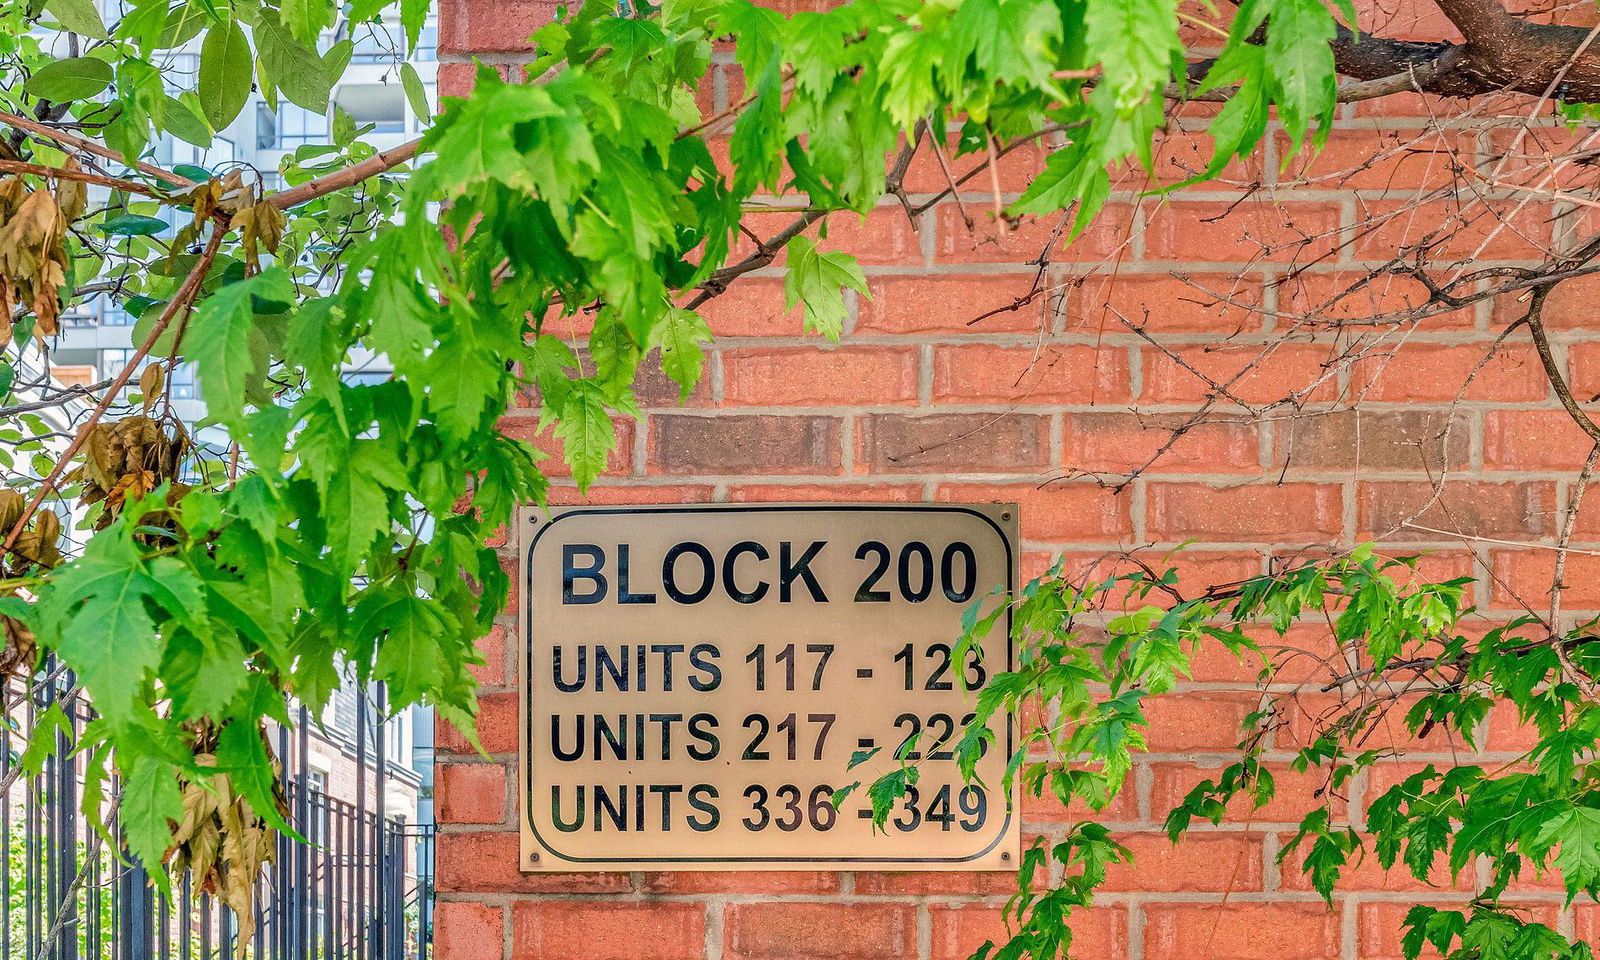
<point x="347" y="894"/>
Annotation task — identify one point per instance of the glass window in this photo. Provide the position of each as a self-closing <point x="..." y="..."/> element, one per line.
<point x="290" y="127"/>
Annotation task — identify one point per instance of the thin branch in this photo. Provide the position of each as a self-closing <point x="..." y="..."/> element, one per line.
<point x="57" y="173"/>
<point x="89" y="146"/>
<point x="56" y="399"/>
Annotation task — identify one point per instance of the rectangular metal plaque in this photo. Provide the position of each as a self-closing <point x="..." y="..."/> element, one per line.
<point x="696" y="680"/>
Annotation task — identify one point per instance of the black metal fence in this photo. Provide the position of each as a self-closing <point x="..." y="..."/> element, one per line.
<point x="352" y="893"/>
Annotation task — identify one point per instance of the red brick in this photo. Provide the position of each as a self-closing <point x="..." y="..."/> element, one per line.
<point x="1098" y="933"/>
<point x="1518" y="511"/>
<point x="804" y="931"/>
<point x="1450" y="230"/>
<point x="471" y="792"/>
<point x="1045" y="373"/>
<point x="1442" y="373"/>
<point x="488" y="863"/>
<point x="1059" y="512"/>
<point x="497" y="727"/>
<point x="947" y="304"/>
<point x="1195" y="569"/>
<point x="1359" y="295"/>
<point x="492" y="647"/>
<point x="953" y="442"/>
<point x="563" y="495"/>
<point x="1016" y="169"/>
<point x="462" y="929"/>
<point x="1508" y="731"/>
<point x="1384" y="726"/>
<point x="1409" y="21"/>
<point x="962" y="882"/>
<point x="741" y="445"/>
<point x="1294" y="794"/>
<point x="869" y="492"/>
<point x="1586" y="922"/>
<point x="805" y="376"/>
<point x="752" y="307"/>
<point x="553" y="930"/>
<point x="1524" y="578"/>
<point x="1207" y="721"/>
<point x="1240" y="931"/>
<point x="1025" y="241"/>
<point x="1261" y="512"/>
<point x="1533" y="440"/>
<point x="1248" y="230"/>
<point x="491" y="26"/>
<point x="1252" y="373"/>
<point x="1571" y="305"/>
<point x="1305" y="652"/>
<point x="458" y="79"/>
<point x="1161" y="303"/>
<point x="1179" y="155"/>
<point x="1366" y="159"/>
<point x="1197" y="863"/>
<point x="619" y="462"/>
<point x="884" y="237"/>
<point x="1583" y="369"/>
<point x="1118" y="443"/>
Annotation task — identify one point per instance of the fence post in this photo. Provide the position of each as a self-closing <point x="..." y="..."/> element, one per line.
<point x="135" y="913"/>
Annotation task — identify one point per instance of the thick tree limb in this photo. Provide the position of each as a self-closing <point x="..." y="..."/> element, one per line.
<point x="1503" y="53"/>
<point x="372" y="166"/>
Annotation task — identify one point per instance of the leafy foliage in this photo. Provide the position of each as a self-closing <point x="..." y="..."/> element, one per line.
<point x="1091" y="653"/>
<point x="341" y="536"/>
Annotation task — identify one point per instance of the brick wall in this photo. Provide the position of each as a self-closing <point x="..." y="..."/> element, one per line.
<point x="916" y="403"/>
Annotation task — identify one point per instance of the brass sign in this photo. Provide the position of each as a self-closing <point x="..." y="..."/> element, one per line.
<point x="696" y="680"/>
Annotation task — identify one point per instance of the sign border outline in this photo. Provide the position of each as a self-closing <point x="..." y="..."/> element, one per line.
<point x="525" y="693"/>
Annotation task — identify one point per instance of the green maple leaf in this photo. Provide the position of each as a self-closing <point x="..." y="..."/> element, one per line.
<point x="1577" y="831"/>
<point x="1299" y="55"/>
<point x="818" y="280"/>
<point x="243" y="756"/>
<point x="96" y="612"/>
<point x="586" y="432"/>
<point x="396" y="302"/>
<point x="410" y="658"/>
<point x="1012" y="40"/>
<point x="679" y="335"/>
<point x="225" y="345"/>
<point x="1136" y="42"/>
<point x="150" y="798"/>
<point x="356" y="493"/>
<point x="462" y="379"/>
<point x="546" y="364"/>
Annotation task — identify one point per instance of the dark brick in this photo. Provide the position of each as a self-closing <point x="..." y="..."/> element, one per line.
<point x="954" y="442"/>
<point x="744" y="445"/>
<point x="1388" y="440"/>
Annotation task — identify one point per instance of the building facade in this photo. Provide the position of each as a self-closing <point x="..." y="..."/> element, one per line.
<point x="950" y="385"/>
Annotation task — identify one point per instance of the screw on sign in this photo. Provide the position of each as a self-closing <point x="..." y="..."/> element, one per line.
<point x="700" y="681"/>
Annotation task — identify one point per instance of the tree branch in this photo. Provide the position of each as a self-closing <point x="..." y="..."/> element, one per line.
<point x="1477" y="20"/>
<point x="349" y="176"/>
<point x="89" y="146"/>
<point x="56" y="173"/>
